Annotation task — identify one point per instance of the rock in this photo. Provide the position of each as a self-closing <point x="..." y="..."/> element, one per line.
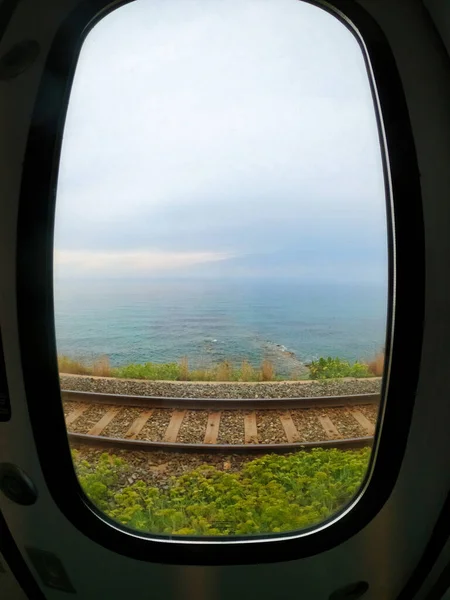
<point x="179" y="389"/>
<point x="159" y="468"/>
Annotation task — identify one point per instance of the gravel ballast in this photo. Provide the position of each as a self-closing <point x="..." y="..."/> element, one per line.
<point x="270" y="429"/>
<point x="231" y="430"/>
<point x="189" y="389"/>
<point x="121" y="423"/>
<point x="70" y="407"/>
<point x="232" y="424"/>
<point x="89" y="418"/>
<point x="370" y="411"/>
<point x="345" y="423"/>
<point x="308" y="426"/>
<point x="193" y="428"/>
<point x="156" y="426"/>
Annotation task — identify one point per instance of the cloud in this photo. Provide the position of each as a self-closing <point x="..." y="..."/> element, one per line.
<point x="228" y="129"/>
<point x="121" y="263"/>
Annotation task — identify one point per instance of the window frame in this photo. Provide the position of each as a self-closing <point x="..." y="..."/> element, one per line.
<point x="34" y="288"/>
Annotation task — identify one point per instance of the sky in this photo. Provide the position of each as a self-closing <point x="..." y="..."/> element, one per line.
<point x="221" y="139"/>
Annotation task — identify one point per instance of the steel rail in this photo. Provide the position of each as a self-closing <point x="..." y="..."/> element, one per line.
<point x="98" y="441"/>
<point x="219" y="403"/>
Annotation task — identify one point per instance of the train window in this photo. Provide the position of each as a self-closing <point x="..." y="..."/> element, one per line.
<point x="221" y="267"/>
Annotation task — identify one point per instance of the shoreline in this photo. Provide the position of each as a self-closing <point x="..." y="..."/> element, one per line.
<point x="218" y="389"/>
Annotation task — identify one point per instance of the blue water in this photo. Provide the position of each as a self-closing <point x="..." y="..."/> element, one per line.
<point x="289" y="323"/>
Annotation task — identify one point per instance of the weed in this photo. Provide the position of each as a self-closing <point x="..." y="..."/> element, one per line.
<point x="224" y="371"/>
<point x="247" y="372"/>
<point x="267" y="370"/>
<point x="154" y="371"/>
<point x="202" y="375"/>
<point x="268" y="495"/>
<point x="376" y="366"/>
<point x="184" y="369"/>
<point x="331" y="368"/>
<point x="70" y="365"/>
<point x="324" y="368"/>
<point x="101" y="367"/>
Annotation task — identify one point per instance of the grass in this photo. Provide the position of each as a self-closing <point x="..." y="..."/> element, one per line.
<point x="184" y="369"/>
<point x="333" y="368"/>
<point x="324" y="368"/>
<point x="270" y="494"/>
<point x="100" y="367"/>
<point x="154" y="371"/>
<point x="376" y="366"/>
<point x="247" y="371"/>
<point x="223" y="371"/>
<point x="267" y="371"/>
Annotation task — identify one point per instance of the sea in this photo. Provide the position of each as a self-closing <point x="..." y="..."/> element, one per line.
<point x="289" y="323"/>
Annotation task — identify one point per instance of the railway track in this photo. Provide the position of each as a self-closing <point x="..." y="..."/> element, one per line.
<point x="219" y="425"/>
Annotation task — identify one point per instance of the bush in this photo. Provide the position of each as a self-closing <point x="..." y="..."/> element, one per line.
<point x="155" y="371"/>
<point x="223" y="371"/>
<point x="331" y="368"/>
<point x="270" y="494"/>
<point x="376" y="366"/>
<point x="324" y="368"/>
<point x="247" y="372"/>
<point x="73" y="366"/>
<point x="101" y="367"/>
<point x="267" y="371"/>
<point x="184" y="370"/>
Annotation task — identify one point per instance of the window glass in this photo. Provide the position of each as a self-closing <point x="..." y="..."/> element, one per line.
<point x="220" y="266"/>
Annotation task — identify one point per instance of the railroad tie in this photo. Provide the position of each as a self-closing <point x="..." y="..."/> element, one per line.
<point x="73" y="416"/>
<point x="212" y="428"/>
<point x="289" y="427"/>
<point x="329" y="427"/>
<point x="363" y="421"/>
<point x="174" y="425"/>
<point x="138" y="424"/>
<point x="215" y="409"/>
<point x="250" y="429"/>
<point x="104" y="421"/>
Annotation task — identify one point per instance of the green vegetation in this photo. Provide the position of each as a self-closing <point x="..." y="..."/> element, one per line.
<point x="154" y="371"/>
<point x="223" y="371"/>
<point x="324" y="368"/>
<point x="268" y="495"/>
<point x="332" y="368"/>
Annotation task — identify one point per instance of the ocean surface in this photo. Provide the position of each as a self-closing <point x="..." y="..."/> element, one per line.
<point x="208" y="321"/>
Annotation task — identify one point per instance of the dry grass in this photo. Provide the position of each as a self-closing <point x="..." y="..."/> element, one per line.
<point x="201" y="375"/>
<point x="247" y="371"/>
<point x="72" y="366"/>
<point x="224" y="371"/>
<point x="376" y="366"/>
<point x="101" y="367"/>
<point x="184" y="369"/>
<point x="267" y="371"/>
